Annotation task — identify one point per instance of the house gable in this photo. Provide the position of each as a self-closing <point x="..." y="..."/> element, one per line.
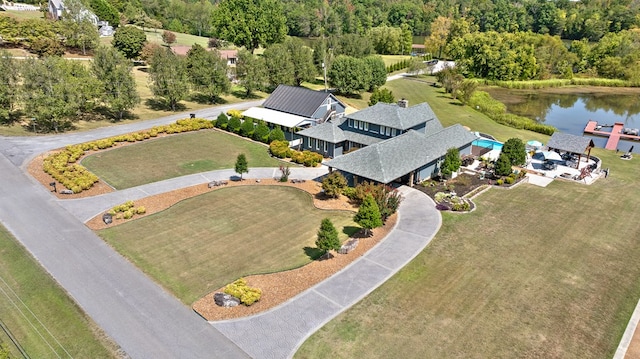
<point x="303" y="102"/>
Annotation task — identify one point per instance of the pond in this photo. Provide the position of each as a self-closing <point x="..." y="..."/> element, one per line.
<point x="569" y="112"/>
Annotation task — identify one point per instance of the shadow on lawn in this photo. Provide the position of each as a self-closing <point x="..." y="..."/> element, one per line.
<point x="314" y="253"/>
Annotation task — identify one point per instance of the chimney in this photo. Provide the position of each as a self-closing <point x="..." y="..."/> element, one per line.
<point x="403" y="103"/>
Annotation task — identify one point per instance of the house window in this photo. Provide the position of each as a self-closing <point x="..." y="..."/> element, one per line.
<point x="366" y="126"/>
<point x="360" y="125"/>
<point x="309" y="142"/>
<point x="393" y="133"/>
<point x="387" y="131"/>
<point x="350" y="122"/>
<point x="318" y="144"/>
<point x="382" y="129"/>
<point x="325" y="146"/>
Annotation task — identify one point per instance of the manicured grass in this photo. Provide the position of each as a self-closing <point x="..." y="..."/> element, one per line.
<point x="155" y="36"/>
<point x="39" y="314"/>
<point x="22" y="15"/>
<point x="205" y="242"/>
<point x="174" y="156"/>
<point x="392" y="59"/>
<point x="533" y="272"/>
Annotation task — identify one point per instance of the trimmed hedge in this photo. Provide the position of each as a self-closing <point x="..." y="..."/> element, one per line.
<point x="280" y="149"/>
<point x="62" y="165"/>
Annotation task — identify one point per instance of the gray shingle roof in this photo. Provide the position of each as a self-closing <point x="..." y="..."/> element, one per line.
<point x="393" y="158"/>
<point x="569" y="142"/>
<point x="327" y="131"/>
<point x="394" y="116"/>
<point x="296" y="100"/>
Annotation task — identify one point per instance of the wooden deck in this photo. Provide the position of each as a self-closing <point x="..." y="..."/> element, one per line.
<point x="614" y="136"/>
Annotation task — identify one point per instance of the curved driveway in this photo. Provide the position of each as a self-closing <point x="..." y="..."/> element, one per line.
<point x="139" y="315"/>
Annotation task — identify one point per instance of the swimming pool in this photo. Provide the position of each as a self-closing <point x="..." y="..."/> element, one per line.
<point x="487" y="143"/>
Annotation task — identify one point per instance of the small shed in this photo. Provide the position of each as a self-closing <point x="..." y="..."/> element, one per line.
<point x="571" y="143"/>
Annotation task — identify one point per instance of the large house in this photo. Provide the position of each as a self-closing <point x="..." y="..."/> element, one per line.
<point x="293" y="108"/>
<point x="56" y="10"/>
<point x="394" y="142"/>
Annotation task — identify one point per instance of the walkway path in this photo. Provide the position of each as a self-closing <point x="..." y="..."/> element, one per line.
<point x="278" y="333"/>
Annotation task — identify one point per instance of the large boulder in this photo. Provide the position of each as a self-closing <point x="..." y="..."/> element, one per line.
<point x="349" y="246"/>
<point x="225" y="300"/>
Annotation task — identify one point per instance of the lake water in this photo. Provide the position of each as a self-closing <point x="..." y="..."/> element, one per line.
<point x="569" y="113"/>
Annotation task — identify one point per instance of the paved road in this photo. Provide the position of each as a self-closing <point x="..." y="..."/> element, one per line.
<point x="140" y="316"/>
<point x="20" y="149"/>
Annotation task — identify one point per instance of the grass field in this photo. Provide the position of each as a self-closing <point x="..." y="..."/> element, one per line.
<point x="39" y="314"/>
<point x="175" y="156"/>
<point x="532" y="273"/>
<point x="155" y="36"/>
<point x="22" y="15"/>
<point x="205" y="242"/>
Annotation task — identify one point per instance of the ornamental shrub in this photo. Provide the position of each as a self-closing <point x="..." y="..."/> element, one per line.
<point x="333" y="184"/>
<point x="368" y="216"/>
<point x="242" y="291"/>
<point x="499" y="182"/>
<point x="276" y="135"/>
<point x="222" y="121"/>
<point x="235" y="113"/>
<point x="280" y="149"/>
<point x="141" y="210"/>
<point x="509" y="180"/>
<point x="388" y="199"/>
<point x="306" y="158"/>
<point x="503" y="165"/>
<point x="452" y="162"/>
<point x="349" y="192"/>
<point x="261" y="133"/>
<point x="234" y="125"/>
<point x="247" y="128"/>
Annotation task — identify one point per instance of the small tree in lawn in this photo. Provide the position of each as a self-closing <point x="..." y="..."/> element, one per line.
<point x="452" y="162"/>
<point x="241" y="165"/>
<point x="327" y="237"/>
<point x="168" y="37"/>
<point x="333" y="184"/>
<point x="368" y="216"/>
<point x="503" y="165"/>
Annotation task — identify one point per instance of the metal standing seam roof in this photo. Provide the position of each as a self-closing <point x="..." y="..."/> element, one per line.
<point x="276" y="117"/>
<point x="570" y="143"/>
<point x="296" y="100"/>
<point x="394" y="116"/>
<point x="395" y="157"/>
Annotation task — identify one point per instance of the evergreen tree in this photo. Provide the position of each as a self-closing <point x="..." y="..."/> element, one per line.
<point x="261" y="132"/>
<point x="276" y="135"/>
<point x="452" y="161"/>
<point x="327" y="237"/>
<point x="503" y="165"/>
<point x="222" y="121"/>
<point x="168" y="75"/>
<point x="241" y="165"/>
<point x="247" y="128"/>
<point x="113" y="70"/>
<point x="515" y="151"/>
<point x="368" y="216"/>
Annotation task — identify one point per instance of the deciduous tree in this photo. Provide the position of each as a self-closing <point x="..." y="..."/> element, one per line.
<point x="168" y="37"/>
<point x="349" y="75"/>
<point x="8" y="85"/>
<point x="113" y="70"/>
<point x="241" y="165"/>
<point x="515" y="151"/>
<point x="280" y="69"/>
<point x="327" y="237"/>
<point x="381" y="95"/>
<point x="129" y="40"/>
<point x="250" y="71"/>
<point x="168" y="77"/>
<point x="207" y="72"/>
<point x="250" y="23"/>
<point x="333" y="184"/>
<point x="302" y="60"/>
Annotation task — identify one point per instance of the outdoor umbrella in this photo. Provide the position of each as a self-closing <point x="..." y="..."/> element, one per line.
<point x="534" y="143"/>
<point x="549" y="155"/>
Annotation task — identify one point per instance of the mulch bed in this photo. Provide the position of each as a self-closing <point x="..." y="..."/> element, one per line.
<point x="461" y="185"/>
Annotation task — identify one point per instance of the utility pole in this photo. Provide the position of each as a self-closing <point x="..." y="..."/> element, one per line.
<point x="324" y="69"/>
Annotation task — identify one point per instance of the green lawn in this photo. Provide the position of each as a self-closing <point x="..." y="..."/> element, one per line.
<point x="22" y="15"/>
<point x="532" y="273"/>
<point x="39" y="314"/>
<point x="174" y="156"/>
<point x="155" y="36"/>
<point x="205" y="242"/>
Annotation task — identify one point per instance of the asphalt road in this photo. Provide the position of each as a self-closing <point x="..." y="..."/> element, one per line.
<point x="145" y="320"/>
<point x="20" y="149"/>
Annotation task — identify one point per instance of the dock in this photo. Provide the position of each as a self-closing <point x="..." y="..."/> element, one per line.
<point x="614" y="136"/>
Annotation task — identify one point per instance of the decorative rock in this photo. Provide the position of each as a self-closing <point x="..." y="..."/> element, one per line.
<point x="225" y="300"/>
<point x="107" y="218"/>
<point x="349" y="246"/>
<point x="66" y="191"/>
